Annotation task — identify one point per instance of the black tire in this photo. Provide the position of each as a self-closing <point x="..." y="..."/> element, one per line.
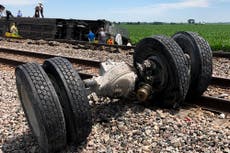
<point x="200" y="55"/>
<point x="41" y="106"/>
<point x="73" y="98"/>
<point x="178" y="78"/>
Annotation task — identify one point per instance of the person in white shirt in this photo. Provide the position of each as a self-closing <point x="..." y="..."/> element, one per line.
<point x="118" y="39"/>
<point x="41" y="9"/>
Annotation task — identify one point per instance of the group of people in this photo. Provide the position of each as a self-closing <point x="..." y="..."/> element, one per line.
<point x="13" y="30"/>
<point x="104" y="39"/>
<point x="38" y="12"/>
<point x="8" y="13"/>
<point x="101" y="36"/>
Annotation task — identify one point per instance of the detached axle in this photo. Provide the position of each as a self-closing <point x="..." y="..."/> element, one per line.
<point x="165" y="71"/>
<point x="119" y="80"/>
<point x="116" y="80"/>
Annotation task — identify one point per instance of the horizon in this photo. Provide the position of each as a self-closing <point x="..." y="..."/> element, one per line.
<point x="176" y="11"/>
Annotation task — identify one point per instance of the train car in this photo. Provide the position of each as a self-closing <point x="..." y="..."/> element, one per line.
<point x="55" y="28"/>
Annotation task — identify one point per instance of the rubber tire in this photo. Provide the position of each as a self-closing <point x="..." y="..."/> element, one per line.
<point x="178" y="78"/>
<point x="201" y="61"/>
<point x="73" y="98"/>
<point x="40" y="104"/>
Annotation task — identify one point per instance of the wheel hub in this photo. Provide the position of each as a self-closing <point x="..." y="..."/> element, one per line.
<point x="153" y="73"/>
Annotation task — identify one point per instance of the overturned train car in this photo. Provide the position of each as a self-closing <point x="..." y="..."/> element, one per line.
<point x="53" y="28"/>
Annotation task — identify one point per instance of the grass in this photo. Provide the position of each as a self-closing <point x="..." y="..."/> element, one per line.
<point x="218" y="35"/>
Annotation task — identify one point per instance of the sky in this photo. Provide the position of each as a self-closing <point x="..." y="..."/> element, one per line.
<point x="128" y="10"/>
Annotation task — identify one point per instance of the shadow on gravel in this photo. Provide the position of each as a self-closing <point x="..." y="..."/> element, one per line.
<point x="104" y="112"/>
<point x="20" y="144"/>
<point x="26" y="143"/>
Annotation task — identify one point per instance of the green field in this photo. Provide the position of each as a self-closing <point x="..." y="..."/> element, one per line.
<point x="218" y="35"/>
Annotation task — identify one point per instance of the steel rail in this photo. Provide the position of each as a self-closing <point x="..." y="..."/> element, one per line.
<point x="212" y="104"/>
<point x="221" y="54"/>
<point x="91" y="63"/>
<point x="223" y="82"/>
<point x="15" y="63"/>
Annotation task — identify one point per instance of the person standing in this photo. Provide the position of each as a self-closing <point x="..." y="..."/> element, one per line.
<point x="118" y="39"/>
<point x="91" y="36"/>
<point x="37" y="12"/>
<point x="102" y="36"/>
<point x="8" y="15"/>
<point x="19" y="14"/>
<point x="41" y="9"/>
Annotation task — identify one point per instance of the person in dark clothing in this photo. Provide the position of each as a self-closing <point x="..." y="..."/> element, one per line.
<point x="37" y="12"/>
<point x="1" y="8"/>
<point x="8" y="15"/>
<point x="7" y="12"/>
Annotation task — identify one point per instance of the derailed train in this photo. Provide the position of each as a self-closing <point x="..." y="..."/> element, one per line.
<point x="55" y="28"/>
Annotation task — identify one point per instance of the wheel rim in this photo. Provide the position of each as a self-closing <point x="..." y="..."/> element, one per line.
<point x="153" y="71"/>
<point x="172" y="69"/>
<point x="30" y="113"/>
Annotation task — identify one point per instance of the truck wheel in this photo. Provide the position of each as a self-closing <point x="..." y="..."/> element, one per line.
<point x="200" y="56"/>
<point x="170" y="88"/>
<point x="41" y="106"/>
<point x="73" y="98"/>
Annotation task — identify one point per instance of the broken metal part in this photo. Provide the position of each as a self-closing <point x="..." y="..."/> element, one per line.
<point x="153" y="72"/>
<point x="117" y="80"/>
<point x="144" y="92"/>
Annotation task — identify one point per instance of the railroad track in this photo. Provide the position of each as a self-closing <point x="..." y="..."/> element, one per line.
<point x="92" y="66"/>
<point x="221" y="54"/>
<point x="16" y="57"/>
<point x="87" y="45"/>
<point x="223" y="82"/>
<point x="212" y="104"/>
<point x="78" y="44"/>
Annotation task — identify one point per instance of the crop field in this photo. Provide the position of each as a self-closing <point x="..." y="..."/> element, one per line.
<point x="218" y="35"/>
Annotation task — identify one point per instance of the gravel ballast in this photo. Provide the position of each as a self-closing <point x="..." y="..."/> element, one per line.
<point x="125" y="126"/>
<point x="121" y="125"/>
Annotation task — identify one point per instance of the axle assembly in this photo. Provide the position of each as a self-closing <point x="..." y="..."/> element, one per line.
<point x="166" y="72"/>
